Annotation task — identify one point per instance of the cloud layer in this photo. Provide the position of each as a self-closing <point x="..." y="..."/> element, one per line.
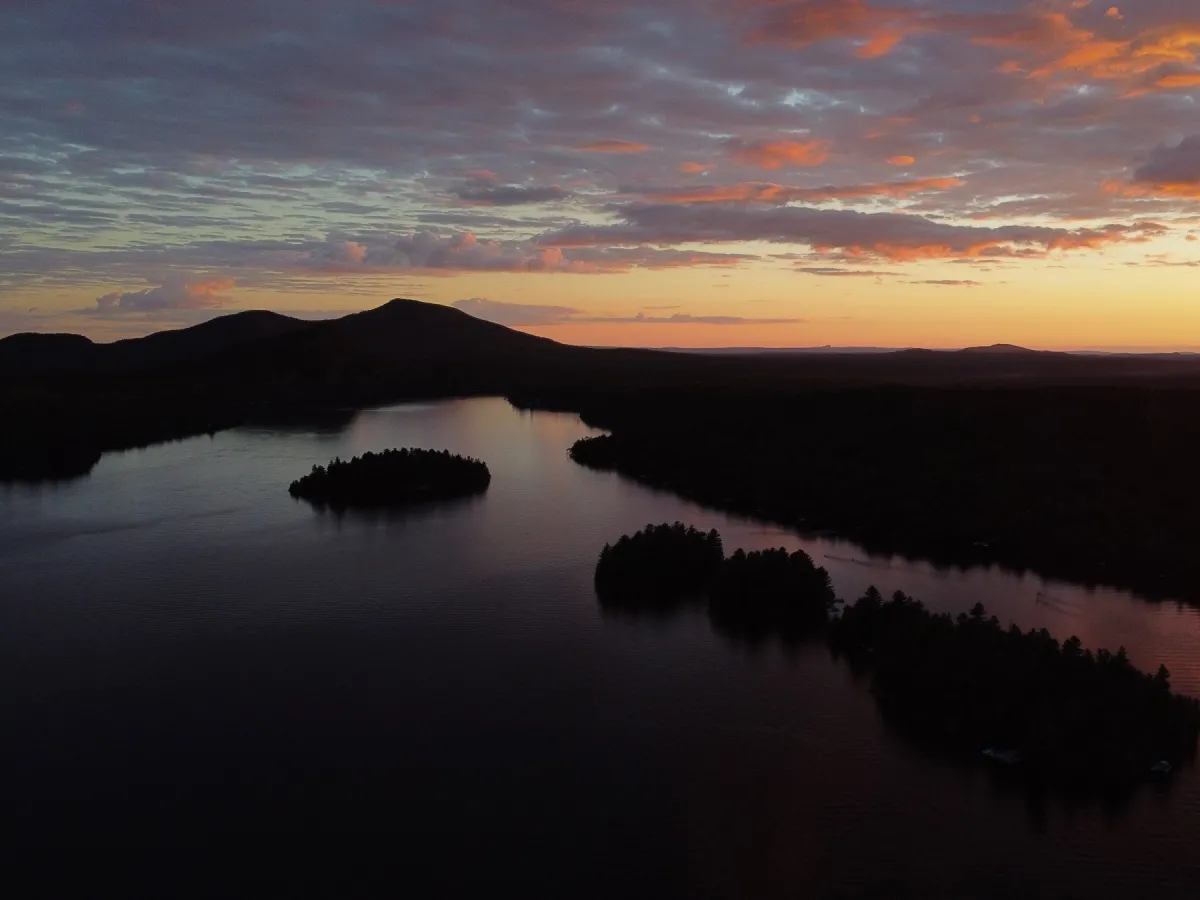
<point x="143" y="141"/>
<point x="176" y="294"/>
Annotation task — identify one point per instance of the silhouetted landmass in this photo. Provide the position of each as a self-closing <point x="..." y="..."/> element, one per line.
<point x="64" y="400"/>
<point x="770" y="592"/>
<point x="33" y="354"/>
<point x="393" y="478"/>
<point x="1080" y="723"/>
<point x="767" y="592"/>
<point x="1091" y="484"/>
<point x="1076" y="721"/>
<point x="1079" y="467"/>
<point x="999" y="349"/>
<point x="658" y="564"/>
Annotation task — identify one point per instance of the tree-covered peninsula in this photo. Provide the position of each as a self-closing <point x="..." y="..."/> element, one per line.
<point x="393" y="478"/>
<point x="1069" y="717"/>
<point x="1083" y="723"/>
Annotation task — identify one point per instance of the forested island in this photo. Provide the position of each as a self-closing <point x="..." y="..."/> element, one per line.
<point x="768" y="589"/>
<point x="770" y="592"/>
<point x="392" y="478"/>
<point x="659" y="564"/>
<point x="1080" y="722"/>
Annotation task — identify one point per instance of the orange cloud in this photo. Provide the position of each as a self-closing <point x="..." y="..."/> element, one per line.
<point x="614" y="146"/>
<point x="777" y="154"/>
<point x="692" y="168"/>
<point x="877" y="30"/>
<point x="1172" y="45"/>
<point x="1052" y="42"/>
<point x="881" y="43"/>
<point x="1062" y="47"/>
<point x="901" y="160"/>
<point x="1179" y="80"/>
<point x="1178" y="189"/>
<point x="841" y="234"/>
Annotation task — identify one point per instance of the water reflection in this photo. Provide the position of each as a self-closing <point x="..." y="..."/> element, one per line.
<point x="179" y="623"/>
<point x="408" y="514"/>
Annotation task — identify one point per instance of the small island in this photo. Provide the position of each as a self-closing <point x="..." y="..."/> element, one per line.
<point x="766" y="591"/>
<point x="659" y="564"/>
<point x="392" y="478"/>
<point x="1080" y="722"/>
<point x="771" y="591"/>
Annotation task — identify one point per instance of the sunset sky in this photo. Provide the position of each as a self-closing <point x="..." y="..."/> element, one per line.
<point x="670" y="173"/>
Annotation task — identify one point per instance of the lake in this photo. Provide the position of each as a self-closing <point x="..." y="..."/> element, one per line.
<point x="186" y="649"/>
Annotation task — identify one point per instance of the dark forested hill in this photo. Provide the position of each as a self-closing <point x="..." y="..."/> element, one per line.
<point x="65" y="399"/>
<point x="30" y="354"/>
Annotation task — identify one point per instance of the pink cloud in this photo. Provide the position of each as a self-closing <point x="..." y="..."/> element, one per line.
<point x="843" y="234"/>
<point x="778" y="154"/>
<point x="875" y="30"/>
<point x="613" y="146"/>
<point x="174" y="294"/>
<point x="767" y="192"/>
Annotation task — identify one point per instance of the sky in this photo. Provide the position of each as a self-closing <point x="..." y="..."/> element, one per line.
<point x="702" y="173"/>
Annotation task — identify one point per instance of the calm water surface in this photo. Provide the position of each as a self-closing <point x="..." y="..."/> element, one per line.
<point x="184" y="647"/>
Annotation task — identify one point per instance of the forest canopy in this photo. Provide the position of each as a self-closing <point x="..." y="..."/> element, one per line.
<point x="1068" y="716"/>
<point x="393" y="478"/>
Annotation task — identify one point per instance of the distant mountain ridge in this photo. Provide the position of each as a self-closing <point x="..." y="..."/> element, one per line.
<point x="1002" y="350"/>
<point x="63" y="353"/>
<point x="65" y="400"/>
<point x="407" y="329"/>
<point x="413" y="331"/>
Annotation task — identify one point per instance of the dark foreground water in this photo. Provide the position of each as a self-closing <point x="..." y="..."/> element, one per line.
<point x="184" y="650"/>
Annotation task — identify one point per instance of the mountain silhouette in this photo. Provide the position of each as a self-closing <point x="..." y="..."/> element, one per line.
<point x="1000" y="350"/>
<point x="416" y="330"/>
<point x="32" y="354"/>
<point x="67" y="399"/>
<point x="63" y="353"/>
<point x="401" y="332"/>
